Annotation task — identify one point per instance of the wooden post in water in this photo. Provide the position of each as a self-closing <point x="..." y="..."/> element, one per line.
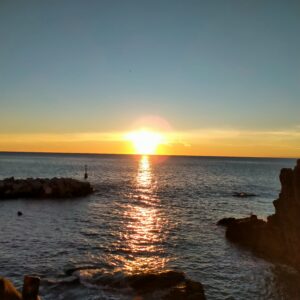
<point x="31" y="288"/>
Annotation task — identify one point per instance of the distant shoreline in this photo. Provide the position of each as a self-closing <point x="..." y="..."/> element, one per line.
<point x="137" y="155"/>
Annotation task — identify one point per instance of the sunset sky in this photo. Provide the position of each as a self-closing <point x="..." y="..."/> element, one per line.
<point x="212" y="77"/>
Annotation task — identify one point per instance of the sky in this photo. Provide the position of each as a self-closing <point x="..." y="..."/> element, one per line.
<point x="215" y="77"/>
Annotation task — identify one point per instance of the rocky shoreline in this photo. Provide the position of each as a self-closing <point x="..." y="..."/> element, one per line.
<point x="11" y="188"/>
<point x="278" y="238"/>
<point x="166" y="285"/>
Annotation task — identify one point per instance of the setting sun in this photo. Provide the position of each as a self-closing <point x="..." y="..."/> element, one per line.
<point x="144" y="141"/>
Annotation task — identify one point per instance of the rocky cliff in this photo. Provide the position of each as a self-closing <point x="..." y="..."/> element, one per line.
<point x="278" y="238"/>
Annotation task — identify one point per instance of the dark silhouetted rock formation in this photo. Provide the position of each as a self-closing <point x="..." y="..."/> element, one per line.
<point x="190" y="290"/>
<point x="166" y="285"/>
<point x="177" y="285"/>
<point x="150" y="281"/>
<point x="226" y="221"/>
<point x="11" y="188"/>
<point x="279" y="238"/>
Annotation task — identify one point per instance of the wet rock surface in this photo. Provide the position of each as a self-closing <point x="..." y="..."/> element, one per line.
<point x="148" y="282"/>
<point x="11" y="188"/>
<point x="190" y="290"/>
<point x="278" y="238"/>
<point x="166" y="285"/>
<point x="8" y="291"/>
<point x="29" y="292"/>
<point x="174" y="283"/>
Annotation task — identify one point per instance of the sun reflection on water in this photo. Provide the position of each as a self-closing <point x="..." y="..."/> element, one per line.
<point x="144" y="175"/>
<point x="143" y="232"/>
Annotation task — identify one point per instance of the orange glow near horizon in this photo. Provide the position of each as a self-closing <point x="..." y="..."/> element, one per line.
<point x="145" y="141"/>
<point x="154" y="139"/>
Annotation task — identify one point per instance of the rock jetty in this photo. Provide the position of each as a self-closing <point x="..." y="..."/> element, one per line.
<point x="278" y="238"/>
<point x="11" y="188"/>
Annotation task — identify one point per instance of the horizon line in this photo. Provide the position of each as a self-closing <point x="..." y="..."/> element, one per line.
<point x="133" y="154"/>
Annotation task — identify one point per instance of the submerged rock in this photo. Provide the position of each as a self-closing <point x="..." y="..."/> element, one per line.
<point x="166" y="285"/>
<point x="174" y="283"/>
<point x="150" y="281"/>
<point x="11" y="188"/>
<point x="243" y="195"/>
<point x="190" y="290"/>
<point x="278" y="238"/>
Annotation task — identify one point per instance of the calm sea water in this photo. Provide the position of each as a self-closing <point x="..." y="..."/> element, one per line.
<point x="147" y="214"/>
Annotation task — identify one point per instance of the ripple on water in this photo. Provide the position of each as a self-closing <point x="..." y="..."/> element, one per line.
<point x="144" y="216"/>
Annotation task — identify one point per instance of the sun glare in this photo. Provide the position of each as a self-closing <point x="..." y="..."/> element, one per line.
<point x="144" y="141"/>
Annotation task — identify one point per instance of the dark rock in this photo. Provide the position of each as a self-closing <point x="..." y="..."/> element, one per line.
<point x="190" y="290"/>
<point x="11" y="188"/>
<point x="177" y="286"/>
<point x="151" y="281"/>
<point x="8" y="291"/>
<point x="278" y="238"/>
<point x="20" y="213"/>
<point x="243" y="195"/>
<point x="226" y="221"/>
<point x="171" y="285"/>
<point x="30" y="289"/>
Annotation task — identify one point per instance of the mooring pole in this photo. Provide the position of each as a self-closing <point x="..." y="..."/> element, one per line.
<point x="31" y="288"/>
<point x="85" y="172"/>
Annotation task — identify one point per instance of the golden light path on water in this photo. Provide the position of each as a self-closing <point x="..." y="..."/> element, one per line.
<point x="144" y="232"/>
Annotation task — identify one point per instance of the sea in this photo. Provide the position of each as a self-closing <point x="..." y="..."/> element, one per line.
<point x="147" y="214"/>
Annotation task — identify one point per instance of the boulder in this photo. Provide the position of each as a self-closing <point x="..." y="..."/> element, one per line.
<point x="30" y="289"/>
<point x="190" y="290"/>
<point x="8" y="291"/>
<point x="174" y="283"/>
<point x="170" y="285"/>
<point x="151" y="281"/>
